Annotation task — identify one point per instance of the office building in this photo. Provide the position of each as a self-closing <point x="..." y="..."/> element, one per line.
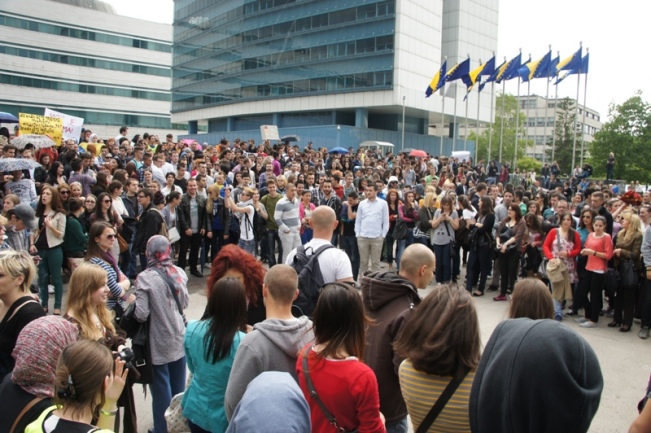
<point x="333" y="72"/>
<point x="80" y="58"/>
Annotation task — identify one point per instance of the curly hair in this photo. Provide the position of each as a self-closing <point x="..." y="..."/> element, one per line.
<point x="234" y="257"/>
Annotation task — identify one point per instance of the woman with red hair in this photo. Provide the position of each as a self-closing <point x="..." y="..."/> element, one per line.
<point x="233" y="261"/>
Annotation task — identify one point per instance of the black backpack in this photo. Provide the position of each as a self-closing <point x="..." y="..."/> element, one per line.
<point x="310" y="280"/>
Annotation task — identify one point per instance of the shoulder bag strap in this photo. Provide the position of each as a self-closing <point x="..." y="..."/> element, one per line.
<point x="441" y="402"/>
<point x="22" y="413"/>
<point x="310" y="387"/>
<point x="176" y="298"/>
<point x="28" y="301"/>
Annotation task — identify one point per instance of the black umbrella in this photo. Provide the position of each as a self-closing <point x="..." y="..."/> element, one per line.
<point x="406" y="151"/>
<point x="288" y="138"/>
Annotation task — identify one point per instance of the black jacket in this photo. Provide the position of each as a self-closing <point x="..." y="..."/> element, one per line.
<point x="184" y="214"/>
<point x="150" y="223"/>
<point x="389" y="299"/>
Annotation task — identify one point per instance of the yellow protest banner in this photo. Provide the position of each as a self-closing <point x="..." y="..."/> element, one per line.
<point x="35" y="124"/>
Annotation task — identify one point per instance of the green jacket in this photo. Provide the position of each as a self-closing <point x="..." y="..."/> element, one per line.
<point x="269" y="203"/>
<point x="74" y="239"/>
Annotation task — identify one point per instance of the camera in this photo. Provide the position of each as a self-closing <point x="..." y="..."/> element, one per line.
<point x="125" y="355"/>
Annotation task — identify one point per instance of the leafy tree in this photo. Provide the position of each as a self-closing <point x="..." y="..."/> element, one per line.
<point x="564" y="133"/>
<point x="627" y="134"/>
<point x="528" y="163"/>
<point x="508" y="140"/>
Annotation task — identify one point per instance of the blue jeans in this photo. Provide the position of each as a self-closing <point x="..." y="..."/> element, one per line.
<point x="272" y="240"/>
<point x="50" y="268"/>
<point x="349" y="243"/>
<point x="306" y="236"/>
<point x="400" y="426"/>
<point x="195" y="428"/>
<point x="443" y="255"/>
<point x="169" y="380"/>
<point x="402" y="244"/>
<point x="248" y="246"/>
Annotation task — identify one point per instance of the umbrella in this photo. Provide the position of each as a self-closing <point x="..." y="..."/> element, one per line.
<point x="338" y="150"/>
<point x="288" y="138"/>
<point x="418" y="153"/>
<point x="7" y="118"/>
<point x="407" y="150"/>
<point x="12" y="164"/>
<point x="39" y="141"/>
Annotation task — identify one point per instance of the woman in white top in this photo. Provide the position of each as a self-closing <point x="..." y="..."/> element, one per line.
<point x="169" y="184"/>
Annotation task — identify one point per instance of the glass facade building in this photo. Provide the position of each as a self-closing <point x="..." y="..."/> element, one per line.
<point x="317" y="67"/>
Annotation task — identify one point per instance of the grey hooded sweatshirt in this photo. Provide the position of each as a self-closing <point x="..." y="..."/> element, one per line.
<point x="273" y="345"/>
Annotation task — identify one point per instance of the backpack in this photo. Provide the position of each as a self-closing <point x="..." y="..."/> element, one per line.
<point x="310" y="280"/>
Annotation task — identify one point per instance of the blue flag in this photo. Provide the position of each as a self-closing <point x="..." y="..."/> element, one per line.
<point x="458" y="71"/>
<point x="438" y="81"/>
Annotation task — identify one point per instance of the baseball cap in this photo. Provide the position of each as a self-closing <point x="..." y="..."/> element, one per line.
<point x="25" y="213"/>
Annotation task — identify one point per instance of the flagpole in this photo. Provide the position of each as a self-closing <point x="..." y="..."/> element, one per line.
<point x="578" y="86"/>
<point x="517" y="126"/>
<point x="454" y="120"/>
<point x="465" y="142"/>
<point x="555" y="116"/>
<point x="535" y="122"/>
<point x="442" y="111"/>
<point x="490" y="123"/>
<point x="477" y="127"/>
<point x="545" y="129"/>
<point x="502" y="125"/>
<point x="585" y="93"/>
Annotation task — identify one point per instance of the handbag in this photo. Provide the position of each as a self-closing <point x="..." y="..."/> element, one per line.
<point x="611" y="281"/>
<point x="174" y="235"/>
<point x="176" y="421"/>
<point x="627" y="273"/>
<point x="542" y="270"/>
<point x="127" y="322"/>
<point x="122" y="243"/>
<point x="441" y="402"/>
<point x="142" y="354"/>
<point x="312" y="391"/>
<point x="400" y="229"/>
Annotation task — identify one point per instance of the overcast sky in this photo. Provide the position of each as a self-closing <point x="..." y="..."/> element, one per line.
<point x="614" y="32"/>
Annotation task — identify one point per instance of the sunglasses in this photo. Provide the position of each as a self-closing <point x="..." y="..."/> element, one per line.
<point x="110" y="236"/>
<point x="64" y="192"/>
<point x="106" y="201"/>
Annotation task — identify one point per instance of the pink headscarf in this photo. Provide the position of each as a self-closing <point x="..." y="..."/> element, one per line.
<point x="37" y="352"/>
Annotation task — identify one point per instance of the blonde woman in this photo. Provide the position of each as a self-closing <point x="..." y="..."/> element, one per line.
<point x="86" y="308"/>
<point x="17" y="307"/>
<point x="627" y="247"/>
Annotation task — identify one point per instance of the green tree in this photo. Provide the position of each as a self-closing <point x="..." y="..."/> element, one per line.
<point x="508" y="138"/>
<point x="627" y="134"/>
<point x="527" y="164"/>
<point x="564" y="137"/>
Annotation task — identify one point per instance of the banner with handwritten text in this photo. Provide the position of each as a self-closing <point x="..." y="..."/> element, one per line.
<point x="35" y="124"/>
<point x="71" y="125"/>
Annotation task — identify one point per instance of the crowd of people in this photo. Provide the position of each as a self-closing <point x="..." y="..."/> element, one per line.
<point x="124" y="220"/>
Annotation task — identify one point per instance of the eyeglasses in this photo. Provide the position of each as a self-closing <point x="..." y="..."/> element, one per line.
<point x="110" y="236"/>
<point x="106" y="201"/>
<point x="64" y="192"/>
<point x="586" y="217"/>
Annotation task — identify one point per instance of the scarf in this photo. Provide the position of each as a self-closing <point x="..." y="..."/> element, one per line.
<point x="37" y="352"/>
<point x="107" y="256"/>
<point x="159" y="256"/>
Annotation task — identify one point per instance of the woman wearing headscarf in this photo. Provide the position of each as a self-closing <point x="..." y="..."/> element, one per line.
<point x="37" y="351"/>
<point x="160" y="290"/>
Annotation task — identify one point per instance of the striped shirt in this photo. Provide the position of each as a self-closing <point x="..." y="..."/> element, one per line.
<point x="421" y="390"/>
<point x="286" y="215"/>
<point x="112" y="280"/>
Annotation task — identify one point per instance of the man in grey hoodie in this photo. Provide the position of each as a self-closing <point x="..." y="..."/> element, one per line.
<point x="274" y="343"/>
<point x="389" y="298"/>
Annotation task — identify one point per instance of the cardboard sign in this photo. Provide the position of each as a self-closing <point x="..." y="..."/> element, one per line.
<point x="269" y="132"/>
<point x="71" y="125"/>
<point x="41" y="125"/>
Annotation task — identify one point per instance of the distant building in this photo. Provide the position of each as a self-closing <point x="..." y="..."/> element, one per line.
<point x="80" y="58"/>
<point x="335" y="73"/>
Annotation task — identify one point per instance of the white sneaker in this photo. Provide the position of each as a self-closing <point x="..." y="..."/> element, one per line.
<point x="581" y="320"/>
<point x="50" y="289"/>
<point x="588" y="324"/>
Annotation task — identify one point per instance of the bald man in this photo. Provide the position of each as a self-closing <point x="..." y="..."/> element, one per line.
<point x="390" y="298"/>
<point x="334" y="263"/>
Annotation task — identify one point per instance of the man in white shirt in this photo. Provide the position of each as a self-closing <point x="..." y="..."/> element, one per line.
<point x="334" y="263"/>
<point x="371" y="227"/>
<point x="286" y="217"/>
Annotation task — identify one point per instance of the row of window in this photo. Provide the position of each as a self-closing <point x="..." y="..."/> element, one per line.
<point x="362" y="81"/>
<point x="96" y="118"/>
<point x="362" y="46"/>
<point x="85" y="61"/>
<point x="288" y="28"/>
<point x="91" y="35"/>
<point x="82" y="88"/>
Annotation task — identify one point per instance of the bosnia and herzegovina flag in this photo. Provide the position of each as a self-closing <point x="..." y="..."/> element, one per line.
<point x="458" y="71"/>
<point x="572" y="62"/>
<point x="537" y="69"/>
<point x="582" y="69"/>
<point x="438" y="81"/>
<point x="475" y="75"/>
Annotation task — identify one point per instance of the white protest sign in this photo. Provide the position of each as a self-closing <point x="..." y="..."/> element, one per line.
<point x="71" y="125"/>
<point x="269" y="132"/>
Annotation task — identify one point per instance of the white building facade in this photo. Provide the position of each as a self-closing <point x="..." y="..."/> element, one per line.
<point x="88" y="62"/>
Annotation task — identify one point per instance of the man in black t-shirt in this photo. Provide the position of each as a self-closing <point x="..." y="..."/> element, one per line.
<point x="348" y="240"/>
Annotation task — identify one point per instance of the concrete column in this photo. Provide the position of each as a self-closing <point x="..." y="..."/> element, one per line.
<point x="230" y="124"/>
<point x="193" y="127"/>
<point x="361" y="117"/>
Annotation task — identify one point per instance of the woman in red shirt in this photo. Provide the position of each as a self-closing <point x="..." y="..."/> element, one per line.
<point x="346" y="387"/>
<point x="599" y="249"/>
